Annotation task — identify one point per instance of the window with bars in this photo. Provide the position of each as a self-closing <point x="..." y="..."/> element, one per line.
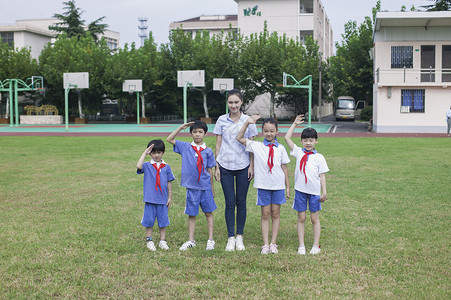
<point x="412" y="101"/>
<point x="7" y="37"/>
<point x="401" y="56"/>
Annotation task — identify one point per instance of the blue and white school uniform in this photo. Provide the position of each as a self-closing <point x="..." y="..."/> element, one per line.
<point x="270" y="183"/>
<point x="233" y="155"/>
<point x="198" y="188"/>
<point x="309" y="191"/>
<point x="155" y="197"/>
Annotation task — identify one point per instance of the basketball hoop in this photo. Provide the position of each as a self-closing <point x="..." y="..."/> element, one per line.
<point x="130" y="92"/>
<point x="222" y="91"/>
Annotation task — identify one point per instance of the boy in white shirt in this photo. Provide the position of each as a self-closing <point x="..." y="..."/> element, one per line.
<point x="309" y="178"/>
<point x="270" y="177"/>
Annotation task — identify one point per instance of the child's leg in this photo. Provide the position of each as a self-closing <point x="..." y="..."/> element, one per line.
<point x="210" y="224"/>
<point x="275" y="217"/>
<point x="301" y="227"/>
<point x="149" y="231"/>
<point x="162" y="233"/>
<point x="266" y="212"/>
<point x="191" y="227"/>
<point x="316" y="228"/>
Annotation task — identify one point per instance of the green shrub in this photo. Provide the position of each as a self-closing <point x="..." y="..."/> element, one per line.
<point x="367" y="113"/>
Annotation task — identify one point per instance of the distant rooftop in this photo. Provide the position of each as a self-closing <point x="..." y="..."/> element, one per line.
<point x="211" y="18"/>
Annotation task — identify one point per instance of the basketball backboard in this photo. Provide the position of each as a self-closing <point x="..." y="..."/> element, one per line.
<point x="132" y="85"/>
<point x="222" y="84"/>
<point x="37" y="82"/>
<point x="78" y="80"/>
<point x="193" y="77"/>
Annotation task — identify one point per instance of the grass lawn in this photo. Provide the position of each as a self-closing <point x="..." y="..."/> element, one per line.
<point x="70" y="212"/>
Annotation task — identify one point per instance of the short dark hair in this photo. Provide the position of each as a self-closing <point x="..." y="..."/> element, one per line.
<point x="309" y="133"/>
<point x="158" y="146"/>
<point x="236" y="92"/>
<point x="270" y="121"/>
<point x="198" y="125"/>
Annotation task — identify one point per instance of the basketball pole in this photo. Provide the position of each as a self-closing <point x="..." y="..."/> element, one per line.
<point x="298" y="85"/>
<point x="137" y="108"/>
<point x="185" y="97"/>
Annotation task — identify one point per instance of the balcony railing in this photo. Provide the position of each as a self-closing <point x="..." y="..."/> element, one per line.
<point x="410" y="76"/>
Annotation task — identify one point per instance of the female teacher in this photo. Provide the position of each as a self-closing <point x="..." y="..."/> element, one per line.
<point x="234" y="167"/>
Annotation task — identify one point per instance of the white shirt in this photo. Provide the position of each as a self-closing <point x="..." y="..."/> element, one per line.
<point x="263" y="179"/>
<point x="448" y="113"/>
<point x="232" y="154"/>
<point x="316" y="164"/>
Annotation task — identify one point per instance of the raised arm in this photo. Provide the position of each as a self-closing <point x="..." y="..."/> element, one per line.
<point x="171" y="138"/>
<point x="299" y="119"/>
<point x="251" y="120"/>
<point x="146" y="152"/>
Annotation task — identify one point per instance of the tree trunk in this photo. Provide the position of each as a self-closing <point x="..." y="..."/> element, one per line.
<point x="204" y="94"/>
<point x="80" y="112"/>
<point x="271" y="105"/>
<point x="7" y="107"/>
<point x="143" y="105"/>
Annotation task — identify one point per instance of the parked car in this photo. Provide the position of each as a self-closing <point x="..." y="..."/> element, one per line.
<point x="346" y="108"/>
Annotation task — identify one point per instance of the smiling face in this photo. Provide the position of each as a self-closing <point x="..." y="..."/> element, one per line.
<point x="269" y="132"/>
<point x="234" y="103"/>
<point x="198" y="135"/>
<point x="309" y="143"/>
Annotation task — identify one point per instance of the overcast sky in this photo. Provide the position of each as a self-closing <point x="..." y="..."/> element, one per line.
<point x="122" y="16"/>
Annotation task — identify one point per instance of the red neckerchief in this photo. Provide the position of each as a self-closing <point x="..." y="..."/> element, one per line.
<point x="271" y="157"/>
<point x="158" y="184"/>
<point x="200" y="160"/>
<point x="304" y="162"/>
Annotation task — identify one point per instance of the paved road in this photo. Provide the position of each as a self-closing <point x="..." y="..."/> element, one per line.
<point x="344" y="126"/>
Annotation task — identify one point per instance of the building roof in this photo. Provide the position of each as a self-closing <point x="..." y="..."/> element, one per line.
<point x="211" y="18"/>
<point x="413" y="19"/>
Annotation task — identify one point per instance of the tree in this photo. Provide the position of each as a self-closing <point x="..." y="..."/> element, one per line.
<point x="72" y="25"/>
<point x="440" y="5"/>
<point x="74" y="55"/>
<point x="350" y="71"/>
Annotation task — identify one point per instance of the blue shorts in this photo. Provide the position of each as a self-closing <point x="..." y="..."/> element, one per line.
<point x="267" y="197"/>
<point x="196" y="198"/>
<point x="300" y="202"/>
<point x="155" y="211"/>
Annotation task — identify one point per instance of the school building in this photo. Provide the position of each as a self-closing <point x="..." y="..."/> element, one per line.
<point x="35" y="35"/>
<point x="412" y="71"/>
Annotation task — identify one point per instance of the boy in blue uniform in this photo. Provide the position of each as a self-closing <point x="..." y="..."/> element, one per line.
<point x="157" y="188"/>
<point x="198" y="162"/>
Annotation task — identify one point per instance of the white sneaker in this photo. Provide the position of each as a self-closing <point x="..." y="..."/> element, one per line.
<point x="210" y="245"/>
<point x="163" y="245"/>
<point x="273" y="249"/>
<point x="239" y="243"/>
<point x="231" y="242"/>
<point x="301" y="250"/>
<point x="151" y="246"/>
<point x="315" y="250"/>
<point x="187" y="245"/>
<point x="265" y="249"/>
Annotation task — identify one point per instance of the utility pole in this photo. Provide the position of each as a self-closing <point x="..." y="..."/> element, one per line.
<point x="319" y="89"/>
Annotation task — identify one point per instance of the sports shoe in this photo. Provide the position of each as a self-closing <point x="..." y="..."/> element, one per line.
<point x="231" y="242"/>
<point x="151" y="246"/>
<point x="301" y="250"/>
<point x="187" y="245"/>
<point x="315" y="250"/>
<point x="265" y="249"/>
<point x="210" y="245"/>
<point x="239" y="243"/>
<point x="163" y="245"/>
<point x="273" y="248"/>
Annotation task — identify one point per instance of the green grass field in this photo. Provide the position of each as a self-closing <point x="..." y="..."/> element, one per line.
<point x="70" y="212"/>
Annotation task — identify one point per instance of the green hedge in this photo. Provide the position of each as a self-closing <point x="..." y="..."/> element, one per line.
<point x="367" y="113"/>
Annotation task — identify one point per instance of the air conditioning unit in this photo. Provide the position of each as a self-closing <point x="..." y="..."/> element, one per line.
<point x="405" y="109"/>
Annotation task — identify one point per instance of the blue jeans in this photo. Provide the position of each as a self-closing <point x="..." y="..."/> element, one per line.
<point x="235" y="198"/>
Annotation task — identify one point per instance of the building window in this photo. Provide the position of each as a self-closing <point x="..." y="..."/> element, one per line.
<point x="303" y="36"/>
<point x="401" y="57"/>
<point x="412" y="101"/>
<point x="306" y="6"/>
<point x="428" y="63"/>
<point x="446" y="63"/>
<point x="7" y="37"/>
